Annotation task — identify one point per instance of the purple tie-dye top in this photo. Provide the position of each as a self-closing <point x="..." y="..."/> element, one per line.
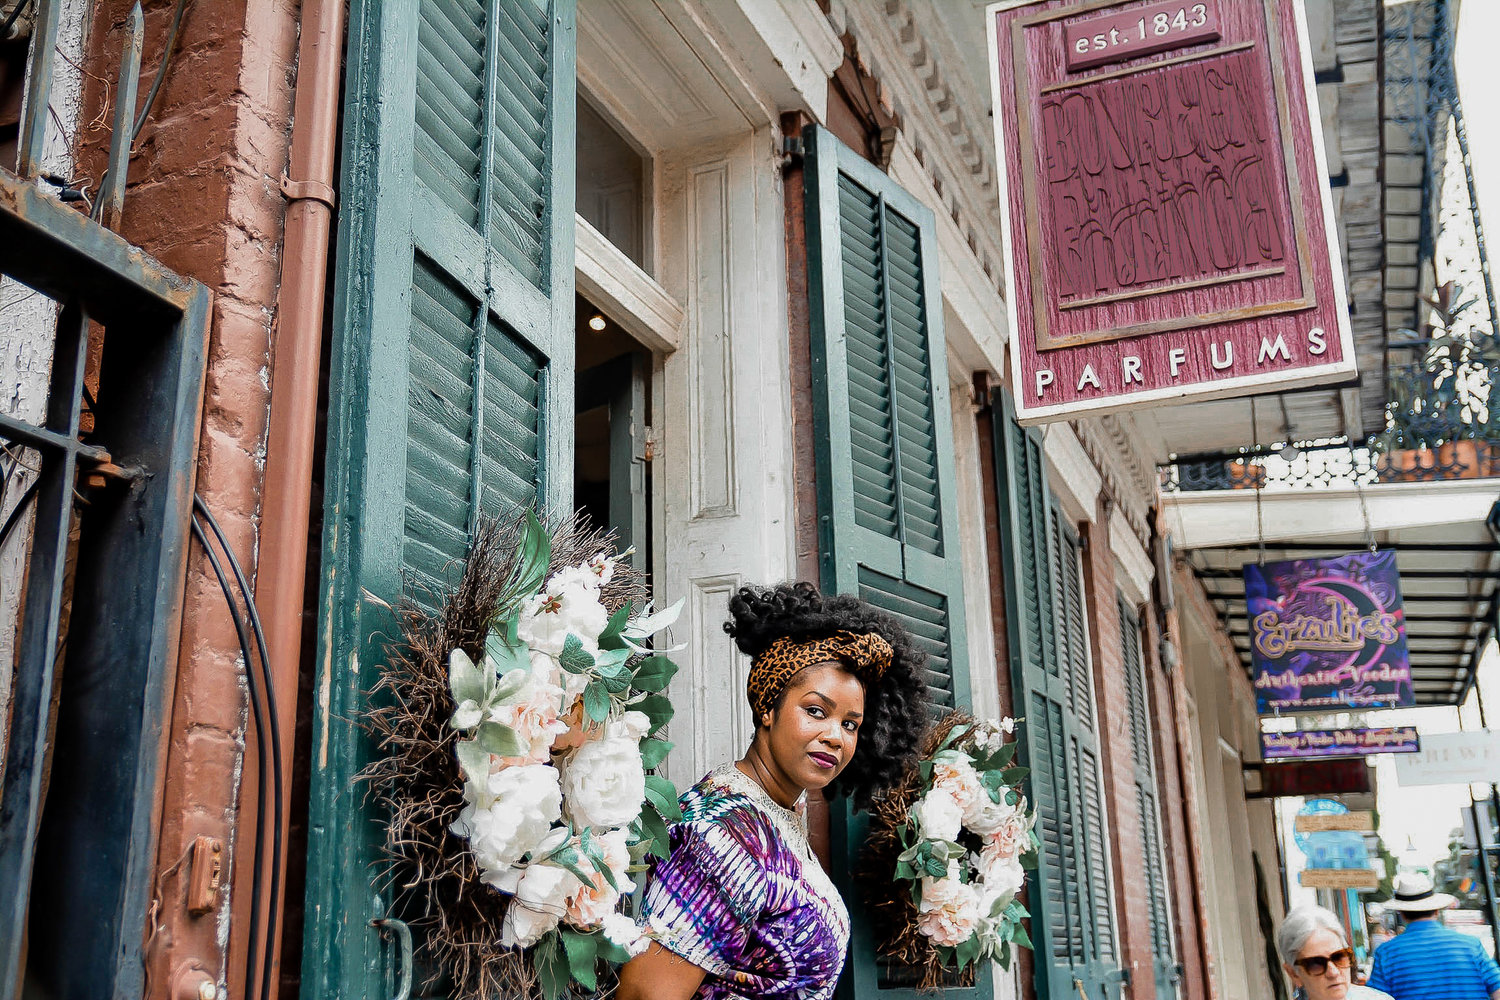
<point x="742" y="897"/>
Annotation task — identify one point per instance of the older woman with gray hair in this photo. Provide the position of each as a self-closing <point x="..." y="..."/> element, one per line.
<point x="1317" y="957"/>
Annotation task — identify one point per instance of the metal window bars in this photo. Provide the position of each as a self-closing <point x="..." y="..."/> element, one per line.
<point x="98" y="632"/>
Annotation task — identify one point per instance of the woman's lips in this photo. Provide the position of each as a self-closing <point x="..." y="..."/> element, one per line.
<point x="827" y="761"/>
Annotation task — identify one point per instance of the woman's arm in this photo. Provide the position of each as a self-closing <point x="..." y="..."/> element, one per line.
<point x="658" y="974"/>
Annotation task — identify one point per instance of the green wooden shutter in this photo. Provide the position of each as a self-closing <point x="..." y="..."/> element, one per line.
<point x="1071" y="900"/>
<point x="452" y="373"/>
<point x="1153" y="864"/>
<point x="888" y="514"/>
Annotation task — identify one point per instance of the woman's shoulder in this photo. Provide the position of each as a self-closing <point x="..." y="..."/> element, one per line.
<point x="1366" y="993"/>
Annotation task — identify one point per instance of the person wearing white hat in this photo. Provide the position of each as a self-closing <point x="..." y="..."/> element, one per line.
<point x="1428" y="961"/>
<point x="1317" y="958"/>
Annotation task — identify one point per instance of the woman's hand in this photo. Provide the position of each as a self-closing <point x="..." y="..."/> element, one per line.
<point x="658" y="974"/>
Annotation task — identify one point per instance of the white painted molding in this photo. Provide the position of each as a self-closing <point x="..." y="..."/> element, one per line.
<point x="984" y="689"/>
<point x="1072" y="473"/>
<point x="1228" y="517"/>
<point x="1135" y="565"/>
<point x="711" y="392"/>
<point x="720" y="716"/>
<point x="631" y="297"/>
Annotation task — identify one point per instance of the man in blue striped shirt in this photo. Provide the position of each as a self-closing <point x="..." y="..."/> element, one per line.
<point x="1428" y="961"/>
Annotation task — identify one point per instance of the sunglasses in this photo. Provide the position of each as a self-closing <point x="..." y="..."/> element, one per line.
<point x="1318" y="964"/>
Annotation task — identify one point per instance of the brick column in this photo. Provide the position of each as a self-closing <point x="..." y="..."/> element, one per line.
<point x="1127" y="844"/>
<point x="203" y="198"/>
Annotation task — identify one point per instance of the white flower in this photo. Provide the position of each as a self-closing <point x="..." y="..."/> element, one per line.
<point x="938" y="815"/>
<point x="509" y="813"/>
<point x="623" y="932"/>
<point x="533" y="713"/>
<point x="1007" y="725"/>
<point x="593" y="900"/>
<point x="984" y="817"/>
<point x="959" y="779"/>
<point x="467" y="715"/>
<point x="630" y="726"/>
<point x="1010" y="839"/>
<point x="538" y="905"/>
<point x="604" y="783"/>
<point x="1002" y="878"/>
<point x="548" y="618"/>
<point x="949" y="911"/>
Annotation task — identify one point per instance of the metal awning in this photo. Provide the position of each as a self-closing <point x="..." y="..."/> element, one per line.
<point x="1447" y="554"/>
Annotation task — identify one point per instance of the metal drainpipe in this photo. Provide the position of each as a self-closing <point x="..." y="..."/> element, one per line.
<point x="308" y="187"/>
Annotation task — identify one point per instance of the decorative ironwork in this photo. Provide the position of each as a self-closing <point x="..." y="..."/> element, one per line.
<point x="1330" y="463"/>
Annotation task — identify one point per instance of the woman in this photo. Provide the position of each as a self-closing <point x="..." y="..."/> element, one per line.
<point x="741" y="908"/>
<point x="1317" y="957"/>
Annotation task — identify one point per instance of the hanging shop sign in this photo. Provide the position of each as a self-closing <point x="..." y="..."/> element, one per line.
<point x="1338" y="743"/>
<point x="1345" y="822"/>
<point x="1339" y="878"/>
<point x="1452" y="759"/>
<point x="1350" y="776"/>
<point x="1328" y="634"/>
<point x="1167" y="221"/>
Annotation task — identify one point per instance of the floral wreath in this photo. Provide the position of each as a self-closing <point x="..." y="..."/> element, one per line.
<point x="525" y="719"/>
<point x="947" y="855"/>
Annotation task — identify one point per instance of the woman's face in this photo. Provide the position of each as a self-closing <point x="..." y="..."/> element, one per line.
<point x="813" y="732"/>
<point x="1332" y="982"/>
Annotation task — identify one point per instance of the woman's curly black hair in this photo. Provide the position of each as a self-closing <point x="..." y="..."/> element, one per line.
<point x="895" y="708"/>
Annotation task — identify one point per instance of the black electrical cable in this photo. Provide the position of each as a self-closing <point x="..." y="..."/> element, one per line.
<point x="15" y="512"/>
<point x="263" y="702"/>
<point x="10" y="20"/>
<point x="161" y="70"/>
<point x="257" y="709"/>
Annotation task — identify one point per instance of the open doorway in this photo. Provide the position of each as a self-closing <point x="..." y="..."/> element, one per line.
<point x="612" y="470"/>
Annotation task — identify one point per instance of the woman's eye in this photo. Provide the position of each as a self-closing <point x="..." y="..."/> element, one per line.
<point x="853" y="727"/>
<point x="815" y="711"/>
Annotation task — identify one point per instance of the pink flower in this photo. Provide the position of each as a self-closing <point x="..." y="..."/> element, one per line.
<point x="959" y="779"/>
<point x="532" y="713"/>
<point x="949" y="911"/>
<point x="596" y="899"/>
<point x="1010" y="838"/>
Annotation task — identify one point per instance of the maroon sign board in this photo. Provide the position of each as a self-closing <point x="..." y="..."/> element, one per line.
<point x="1168" y="225"/>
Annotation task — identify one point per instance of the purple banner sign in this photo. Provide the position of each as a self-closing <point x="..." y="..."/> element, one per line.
<point x="1338" y="743"/>
<point x="1327" y="634"/>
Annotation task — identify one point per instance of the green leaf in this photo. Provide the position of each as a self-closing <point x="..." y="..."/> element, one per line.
<point x="654" y="673"/>
<point x="1020" y="937"/>
<point x="654" y="831"/>
<point x="611" y="952"/>
<point x="596" y="701"/>
<point x="583" y="952"/>
<point x="925" y="770"/>
<point x="662" y="794"/>
<point x="967" y="951"/>
<point x="473" y="758"/>
<point x="610" y="638"/>
<point x="954" y="735"/>
<point x="508" y="685"/>
<point x="465" y="678"/>
<point x="653" y="752"/>
<point x="657" y="708"/>
<point x="500" y="739"/>
<point x="569" y="858"/>
<point x="1014" y="775"/>
<point x="534" y="555"/>
<point x="904" y="870"/>
<point x="616" y="683"/>
<point x="574" y="658"/>
<point x="551" y="965"/>
<point x="505" y="655"/>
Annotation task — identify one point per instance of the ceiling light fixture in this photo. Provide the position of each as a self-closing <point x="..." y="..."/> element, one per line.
<point x="597" y="323"/>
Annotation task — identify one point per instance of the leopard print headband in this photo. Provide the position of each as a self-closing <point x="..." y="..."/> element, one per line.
<point x="866" y="655"/>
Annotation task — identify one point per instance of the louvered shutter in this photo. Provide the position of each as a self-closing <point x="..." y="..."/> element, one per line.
<point x="888" y="515"/>
<point x="452" y="372"/>
<point x="1153" y="863"/>
<point x="1070" y="894"/>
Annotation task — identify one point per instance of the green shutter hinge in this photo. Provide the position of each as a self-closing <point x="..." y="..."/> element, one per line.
<point x="792" y="147"/>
